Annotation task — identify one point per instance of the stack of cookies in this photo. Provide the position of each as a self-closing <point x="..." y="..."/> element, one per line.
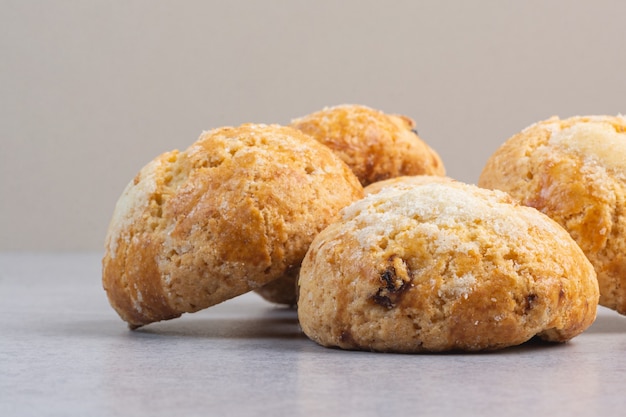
<point x="347" y="214"/>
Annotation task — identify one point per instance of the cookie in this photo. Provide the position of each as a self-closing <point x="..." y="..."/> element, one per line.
<point x="282" y="290"/>
<point x="574" y="170"/>
<point x="375" y="145"/>
<point x="440" y="267"/>
<point x="235" y="211"/>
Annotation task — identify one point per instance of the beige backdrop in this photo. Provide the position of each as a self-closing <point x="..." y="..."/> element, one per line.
<point x="92" y="90"/>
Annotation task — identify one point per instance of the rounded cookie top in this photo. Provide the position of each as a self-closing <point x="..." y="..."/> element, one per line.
<point x="443" y="266"/>
<point x="405" y="181"/>
<point x="375" y="145"/>
<point x="236" y="210"/>
<point x="574" y="170"/>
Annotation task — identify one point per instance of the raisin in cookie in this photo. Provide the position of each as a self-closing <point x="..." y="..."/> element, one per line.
<point x="235" y="211"/>
<point x="574" y="170"/>
<point x="443" y="266"/>
<point x="375" y="145"/>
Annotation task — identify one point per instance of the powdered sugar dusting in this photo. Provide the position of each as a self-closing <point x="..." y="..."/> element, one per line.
<point x="435" y="209"/>
<point x="138" y="300"/>
<point x="461" y="286"/>
<point x="596" y="143"/>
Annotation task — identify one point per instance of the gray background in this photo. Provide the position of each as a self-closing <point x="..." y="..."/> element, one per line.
<point x="90" y="91"/>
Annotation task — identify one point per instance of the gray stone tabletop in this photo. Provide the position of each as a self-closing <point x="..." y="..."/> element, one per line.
<point x="64" y="352"/>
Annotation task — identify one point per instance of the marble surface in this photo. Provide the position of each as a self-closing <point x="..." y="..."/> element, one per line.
<point x="64" y="352"/>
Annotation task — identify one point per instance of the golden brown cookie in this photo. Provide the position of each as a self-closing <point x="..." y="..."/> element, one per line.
<point x="574" y="170"/>
<point x="236" y="210"/>
<point x="443" y="266"/>
<point x="375" y="145"/>
<point x="405" y="181"/>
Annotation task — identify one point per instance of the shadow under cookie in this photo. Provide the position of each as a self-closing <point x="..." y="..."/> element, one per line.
<point x="277" y="324"/>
